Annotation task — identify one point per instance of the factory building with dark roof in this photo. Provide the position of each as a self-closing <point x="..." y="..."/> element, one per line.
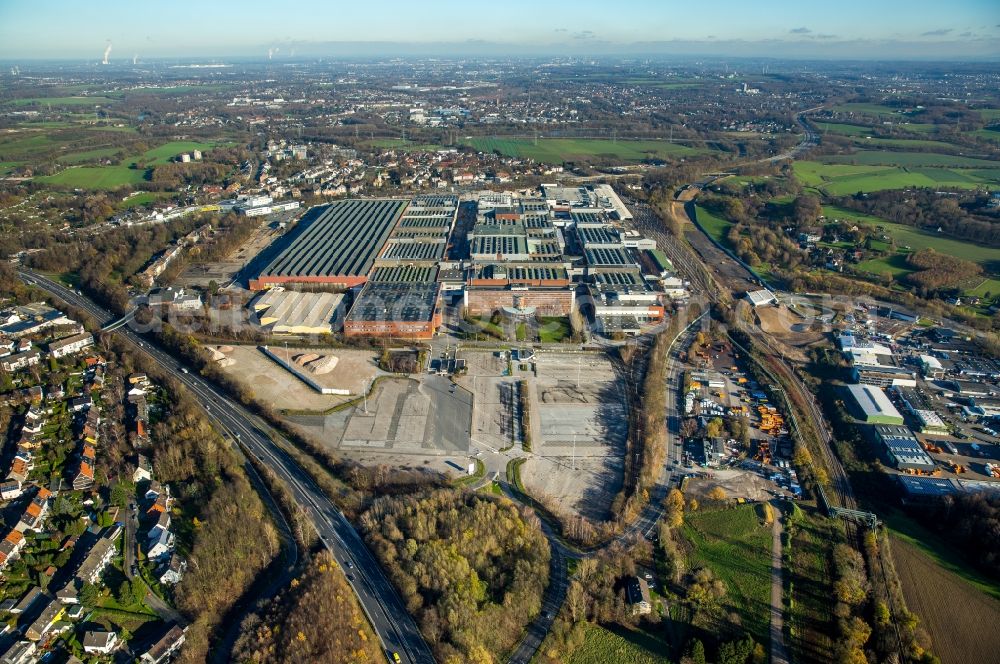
<point x="334" y="244"/>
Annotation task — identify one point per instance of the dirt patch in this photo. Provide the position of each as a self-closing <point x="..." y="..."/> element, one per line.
<point x="961" y="620"/>
<point x="224" y="271"/>
<point x="736" y="483"/>
<point x="272" y="384"/>
<point x="351" y="369"/>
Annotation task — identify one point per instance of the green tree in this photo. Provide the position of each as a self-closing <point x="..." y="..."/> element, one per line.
<point x="88" y="594"/>
<point x="696" y="651"/>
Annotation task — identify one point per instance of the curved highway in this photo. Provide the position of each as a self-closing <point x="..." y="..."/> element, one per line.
<point x="384" y="607"/>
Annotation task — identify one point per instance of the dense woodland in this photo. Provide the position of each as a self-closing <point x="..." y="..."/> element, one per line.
<point x="972" y="523"/>
<point x="315" y="620"/>
<point x="471" y="568"/>
<point x="935" y="271"/>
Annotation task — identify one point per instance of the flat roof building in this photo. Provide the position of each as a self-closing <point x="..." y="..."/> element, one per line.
<point x="884" y="376"/>
<point x="874" y="405"/>
<point x="333" y="244"/>
<point x="904" y="450"/>
<point x="387" y="309"/>
<point x="759" y="298"/>
<point x="291" y="312"/>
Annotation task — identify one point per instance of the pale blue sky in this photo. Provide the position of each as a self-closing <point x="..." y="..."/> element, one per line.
<point x="216" y="28"/>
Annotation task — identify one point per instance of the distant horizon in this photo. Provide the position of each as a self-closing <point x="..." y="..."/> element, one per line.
<point x="889" y="30"/>
<point x="385" y="51"/>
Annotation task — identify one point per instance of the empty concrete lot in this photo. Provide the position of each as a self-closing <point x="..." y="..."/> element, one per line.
<point x="578" y="396"/>
<point x="579" y="430"/>
<point x="420" y="415"/>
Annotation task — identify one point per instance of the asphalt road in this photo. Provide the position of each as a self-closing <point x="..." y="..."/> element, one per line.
<point x="385" y="609"/>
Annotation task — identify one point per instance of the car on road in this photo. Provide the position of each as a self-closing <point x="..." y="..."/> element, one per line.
<point x="350" y="565"/>
<point x="350" y="577"/>
<point x="395" y="657"/>
<point x="184" y="370"/>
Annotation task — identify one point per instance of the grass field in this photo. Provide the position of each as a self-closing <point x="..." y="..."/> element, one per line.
<point x="553" y="329"/>
<point x="810" y="585"/>
<point x="168" y="151"/>
<point x="557" y="150"/>
<point x="843" y="129"/>
<point x="77" y="157"/>
<point x="144" y="199"/>
<point x="841" y="179"/>
<point x="989" y="287"/>
<point x="716" y="227"/>
<point x="735" y="545"/>
<point x="94" y="177"/>
<point x="61" y="101"/>
<point x="602" y="646"/>
<point x="915" y="238"/>
<point x="110" y="177"/>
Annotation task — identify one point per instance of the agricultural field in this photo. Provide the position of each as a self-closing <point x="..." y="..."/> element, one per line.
<point x="601" y="646"/>
<point x="404" y="145"/>
<point x="558" y="150"/>
<point x="94" y="177"/>
<point x="904" y="143"/>
<point x="876" y="110"/>
<point x="94" y="100"/>
<point x="910" y="159"/>
<point x="960" y="619"/>
<point x="736" y="545"/>
<point x="110" y="177"/>
<point x="842" y="179"/>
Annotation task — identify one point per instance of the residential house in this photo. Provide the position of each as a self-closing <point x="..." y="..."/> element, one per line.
<point x="10" y="489"/>
<point x="99" y="642"/>
<point x="153" y="490"/>
<point x="28" y="601"/>
<point x="20" y="652"/>
<point x="84" y="477"/>
<point x="20" y="361"/>
<point x="162" y="523"/>
<point x="165" y="647"/>
<point x="79" y="404"/>
<point x="70" y="345"/>
<point x="49" y="616"/>
<point x="637" y="591"/>
<point x="143" y="470"/>
<point x="173" y="570"/>
<point x="160" y="545"/>
<point x="97" y="559"/>
<point x="10" y="547"/>
<point x="36" y="511"/>
<point x="160" y="504"/>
